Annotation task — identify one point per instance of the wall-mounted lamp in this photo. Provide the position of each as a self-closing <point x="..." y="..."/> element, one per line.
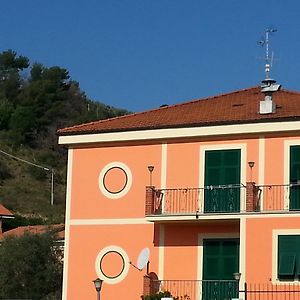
<point x="237" y="277"/>
<point x="251" y="165"/>
<point x="150" y="169"/>
<point x="98" y="285"/>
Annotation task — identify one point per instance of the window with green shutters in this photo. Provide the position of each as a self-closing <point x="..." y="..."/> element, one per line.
<point x="221" y="259"/>
<point x="295" y="177"/>
<point x="222" y="180"/>
<point x="220" y="262"/>
<point x="288" y="264"/>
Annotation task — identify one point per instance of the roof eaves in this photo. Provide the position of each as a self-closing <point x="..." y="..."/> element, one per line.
<point x="186" y="125"/>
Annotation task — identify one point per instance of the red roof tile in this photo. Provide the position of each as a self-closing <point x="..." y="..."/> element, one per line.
<point x="237" y="107"/>
<point x="4" y="212"/>
<point x="59" y="229"/>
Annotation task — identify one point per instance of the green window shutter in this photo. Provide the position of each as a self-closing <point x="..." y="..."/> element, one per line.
<point x="211" y="263"/>
<point x="294" y="164"/>
<point x="230" y="266"/>
<point x="213" y="168"/>
<point x="220" y="259"/>
<point x="294" y="177"/>
<point x="232" y="166"/>
<point x="287" y="244"/>
<point x="211" y="268"/>
<point x="230" y="252"/>
<point x="222" y="167"/>
<point x="288" y="256"/>
<point x="287" y="264"/>
<point x="298" y="264"/>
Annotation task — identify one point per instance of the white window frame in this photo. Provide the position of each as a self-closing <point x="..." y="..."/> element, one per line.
<point x="275" y="234"/>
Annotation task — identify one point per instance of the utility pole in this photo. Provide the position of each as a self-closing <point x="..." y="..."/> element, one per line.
<point x="52" y="187"/>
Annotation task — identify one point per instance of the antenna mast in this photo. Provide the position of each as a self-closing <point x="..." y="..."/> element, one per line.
<point x="268" y="59"/>
<point x="269" y="86"/>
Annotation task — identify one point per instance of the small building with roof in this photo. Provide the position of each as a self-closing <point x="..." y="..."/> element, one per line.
<point x="4" y="214"/>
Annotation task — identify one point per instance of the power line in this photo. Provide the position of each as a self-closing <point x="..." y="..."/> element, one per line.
<point x="38" y="166"/>
<point x="25" y="161"/>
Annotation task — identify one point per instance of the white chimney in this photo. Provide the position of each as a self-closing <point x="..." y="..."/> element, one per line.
<point x="268" y="87"/>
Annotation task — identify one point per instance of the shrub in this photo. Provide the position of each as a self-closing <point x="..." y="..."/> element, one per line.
<point x="158" y="296"/>
<point x="4" y="171"/>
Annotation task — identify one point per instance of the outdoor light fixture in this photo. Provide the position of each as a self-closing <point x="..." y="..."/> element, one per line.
<point x="150" y="169"/>
<point x="251" y="165"/>
<point x="98" y="285"/>
<point x="237" y="276"/>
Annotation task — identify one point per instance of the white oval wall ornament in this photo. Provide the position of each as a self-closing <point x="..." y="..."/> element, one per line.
<point x="115" y="180"/>
<point x="118" y="254"/>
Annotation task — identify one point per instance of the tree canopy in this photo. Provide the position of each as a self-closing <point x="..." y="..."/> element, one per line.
<point x="35" y="100"/>
<point x="30" y="268"/>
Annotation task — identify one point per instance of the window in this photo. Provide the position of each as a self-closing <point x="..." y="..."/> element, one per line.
<point x="295" y="177"/>
<point x="222" y="179"/>
<point x="288" y="257"/>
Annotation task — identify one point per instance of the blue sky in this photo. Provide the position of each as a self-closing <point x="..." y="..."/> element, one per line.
<point x="139" y="54"/>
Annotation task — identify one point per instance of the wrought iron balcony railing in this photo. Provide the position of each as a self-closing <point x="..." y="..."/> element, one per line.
<point x="224" y="289"/>
<point x="197" y="289"/>
<point x="223" y="199"/>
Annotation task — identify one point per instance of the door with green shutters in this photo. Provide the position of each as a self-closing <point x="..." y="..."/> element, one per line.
<point x="295" y="177"/>
<point x="220" y="262"/>
<point x="221" y="180"/>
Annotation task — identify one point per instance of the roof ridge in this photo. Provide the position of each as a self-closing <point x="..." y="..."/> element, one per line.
<point x="215" y="96"/>
<point x="291" y="91"/>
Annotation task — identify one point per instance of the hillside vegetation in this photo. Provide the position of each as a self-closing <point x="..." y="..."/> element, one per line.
<point x="34" y="102"/>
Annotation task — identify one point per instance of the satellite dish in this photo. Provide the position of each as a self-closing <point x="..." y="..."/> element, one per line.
<point x="143" y="258"/>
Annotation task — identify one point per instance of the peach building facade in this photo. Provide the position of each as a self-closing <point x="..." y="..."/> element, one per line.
<point x="210" y="187"/>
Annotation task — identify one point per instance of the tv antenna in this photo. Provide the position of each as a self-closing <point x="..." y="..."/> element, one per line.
<point x="265" y="41"/>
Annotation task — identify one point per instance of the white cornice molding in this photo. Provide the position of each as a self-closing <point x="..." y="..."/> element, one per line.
<point x="192" y="132"/>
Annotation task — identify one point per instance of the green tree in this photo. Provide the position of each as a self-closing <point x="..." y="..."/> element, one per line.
<point x="10" y="61"/>
<point x="30" y="268"/>
<point x="10" y="80"/>
<point x="6" y="109"/>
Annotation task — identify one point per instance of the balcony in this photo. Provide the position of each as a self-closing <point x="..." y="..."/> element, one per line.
<point x="226" y="200"/>
<point x="197" y="289"/>
<point x="223" y="289"/>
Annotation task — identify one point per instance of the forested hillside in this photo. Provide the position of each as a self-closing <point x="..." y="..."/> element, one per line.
<point x="34" y="102"/>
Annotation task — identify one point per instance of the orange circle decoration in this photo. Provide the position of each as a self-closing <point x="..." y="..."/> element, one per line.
<point x="115" y="180"/>
<point x="112" y="264"/>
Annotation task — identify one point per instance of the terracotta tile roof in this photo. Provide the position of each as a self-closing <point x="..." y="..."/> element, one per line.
<point x="59" y="229"/>
<point x="4" y="212"/>
<point x="233" y="108"/>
